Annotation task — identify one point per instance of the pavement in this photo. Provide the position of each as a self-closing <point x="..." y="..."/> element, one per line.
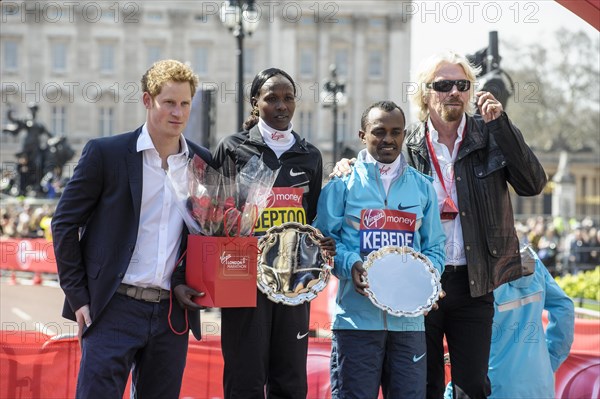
<point x="36" y="305"/>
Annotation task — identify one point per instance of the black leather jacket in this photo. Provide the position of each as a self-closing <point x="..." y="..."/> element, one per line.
<point x="490" y="156"/>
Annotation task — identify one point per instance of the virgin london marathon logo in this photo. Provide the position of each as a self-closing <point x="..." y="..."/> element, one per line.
<point x="234" y="263"/>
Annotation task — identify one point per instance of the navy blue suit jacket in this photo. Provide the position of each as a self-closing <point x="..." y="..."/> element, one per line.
<point x="96" y="222"/>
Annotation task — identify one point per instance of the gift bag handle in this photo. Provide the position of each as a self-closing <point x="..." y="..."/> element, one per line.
<point x="237" y="221"/>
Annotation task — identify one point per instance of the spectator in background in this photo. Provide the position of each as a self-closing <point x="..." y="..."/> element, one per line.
<point x="524" y="358"/>
<point x="5" y="223"/>
<point x="536" y="233"/>
<point x="595" y="246"/>
<point x="577" y="254"/>
<point x="548" y="248"/>
<point x="35" y="228"/>
<point x="45" y="225"/>
<point x="23" y="221"/>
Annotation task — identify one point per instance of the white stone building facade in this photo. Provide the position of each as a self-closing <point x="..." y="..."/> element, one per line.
<point x="82" y="61"/>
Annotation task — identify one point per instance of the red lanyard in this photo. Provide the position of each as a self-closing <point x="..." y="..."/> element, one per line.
<point x="436" y="163"/>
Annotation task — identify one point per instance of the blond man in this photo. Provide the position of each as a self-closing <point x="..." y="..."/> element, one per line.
<point x="117" y="237"/>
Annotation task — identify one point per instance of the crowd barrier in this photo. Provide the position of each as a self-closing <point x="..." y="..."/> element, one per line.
<point x="35" y="365"/>
<point x="28" y="254"/>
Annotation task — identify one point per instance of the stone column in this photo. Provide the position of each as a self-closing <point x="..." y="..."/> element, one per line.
<point x="563" y="197"/>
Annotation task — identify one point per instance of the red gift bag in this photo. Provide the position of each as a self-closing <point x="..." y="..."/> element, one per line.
<point x="224" y="268"/>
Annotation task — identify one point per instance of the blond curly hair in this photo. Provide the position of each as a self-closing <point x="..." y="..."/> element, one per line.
<point x="165" y="71"/>
<point x="427" y="73"/>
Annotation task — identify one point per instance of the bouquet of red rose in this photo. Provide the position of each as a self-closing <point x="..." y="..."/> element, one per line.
<point x="222" y="202"/>
<point x="220" y="209"/>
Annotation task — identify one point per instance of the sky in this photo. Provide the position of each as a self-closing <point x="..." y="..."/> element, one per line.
<point x="464" y="26"/>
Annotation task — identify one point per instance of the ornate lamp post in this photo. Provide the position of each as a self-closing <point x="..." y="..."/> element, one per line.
<point x="333" y="96"/>
<point x="241" y="18"/>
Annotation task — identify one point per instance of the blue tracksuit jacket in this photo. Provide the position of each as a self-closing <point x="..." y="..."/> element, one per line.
<point x="338" y="216"/>
<point x="522" y="358"/>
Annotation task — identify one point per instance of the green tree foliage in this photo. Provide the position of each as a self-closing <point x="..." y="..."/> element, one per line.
<point x="556" y="99"/>
<point x="581" y="285"/>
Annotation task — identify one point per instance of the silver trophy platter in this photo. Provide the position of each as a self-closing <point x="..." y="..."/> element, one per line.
<point x="402" y="281"/>
<point x="292" y="267"/>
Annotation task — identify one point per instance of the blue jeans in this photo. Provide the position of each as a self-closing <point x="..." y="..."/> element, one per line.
<point x="132" y="335"/>
<point x="362" y="361"/>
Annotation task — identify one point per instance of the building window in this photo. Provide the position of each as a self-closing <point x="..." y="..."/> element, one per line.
<point x="11" y="10"/>
<point x="59" y="57"/>
<point x="375" y="66"/>
<point x="109" y="15"/>
<point x="200" y="65"/>
<point x="249" y="61"/>
<point x="106" y="121"/>
<point x="107" y="58"/>
<point x="59" y="120"/>
<point x="153" y="54"/>
<point x="306" y="124"/>
<point x="341" y="62"/>
<point x="10" y="55"/>
<point x="377" y="23"/>
<point x="307" y="62"/>
<point x="308" y="21"/>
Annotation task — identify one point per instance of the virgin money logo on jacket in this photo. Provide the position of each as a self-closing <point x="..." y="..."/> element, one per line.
<point x="284" y="204"/>
<point x="372" y="219"/>
<point x="384" y="227"/>
<point x="285" y="197"/>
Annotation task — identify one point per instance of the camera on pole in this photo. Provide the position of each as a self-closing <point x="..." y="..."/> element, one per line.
<point x="492" y="78"/>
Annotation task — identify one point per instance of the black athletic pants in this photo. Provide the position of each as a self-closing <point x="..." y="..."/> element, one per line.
<point x="265" y="350"/>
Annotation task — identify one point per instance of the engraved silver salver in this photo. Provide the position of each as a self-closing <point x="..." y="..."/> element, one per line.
<point x="528" y="257"/>
<point x="292" y="267"/>
<point x="402" y="281"/>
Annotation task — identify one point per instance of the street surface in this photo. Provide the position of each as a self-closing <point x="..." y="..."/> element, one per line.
<point x="38" y="308"/>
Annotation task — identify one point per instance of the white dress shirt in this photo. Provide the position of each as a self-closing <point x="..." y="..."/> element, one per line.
<point x="159" y="231"/>
<point x="455" y="246"/>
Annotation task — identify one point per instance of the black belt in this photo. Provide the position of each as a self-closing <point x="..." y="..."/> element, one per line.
<point x="455" y="268"/>
<point x="143" y="294"/>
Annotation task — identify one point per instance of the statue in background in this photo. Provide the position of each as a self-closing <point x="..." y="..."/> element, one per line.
<point x="41" y="159"/>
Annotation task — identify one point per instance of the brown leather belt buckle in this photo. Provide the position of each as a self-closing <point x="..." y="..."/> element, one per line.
<point x="154" y="295"/>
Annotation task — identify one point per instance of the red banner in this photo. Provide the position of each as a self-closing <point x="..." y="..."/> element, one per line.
<point x="31" y="255"/>
<point x="36" y="366"/>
